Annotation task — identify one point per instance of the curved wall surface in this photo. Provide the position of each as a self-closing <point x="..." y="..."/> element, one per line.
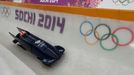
<point x="97" y="41"/>
<point x="11" y="65"/>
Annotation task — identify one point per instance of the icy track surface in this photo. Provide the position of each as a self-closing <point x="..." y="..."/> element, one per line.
<point x="11" y="65"/>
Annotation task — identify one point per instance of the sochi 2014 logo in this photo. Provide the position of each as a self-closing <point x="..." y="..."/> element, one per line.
<point x="123" y="2"/>
<point x="5" y="11"/>
<point x="103" y="32"/>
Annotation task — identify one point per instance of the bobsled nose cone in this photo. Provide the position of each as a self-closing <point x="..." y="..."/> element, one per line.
<point x="48" y="61"/>
<point x="51" y="53"/>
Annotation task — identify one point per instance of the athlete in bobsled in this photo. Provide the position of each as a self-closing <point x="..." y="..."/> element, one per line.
<point x="45" y="52"/>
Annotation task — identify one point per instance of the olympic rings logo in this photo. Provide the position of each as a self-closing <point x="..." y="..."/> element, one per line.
<point x="123" y="2"/>
<point x="105" y="35"/>
<point x="5" y="11"/>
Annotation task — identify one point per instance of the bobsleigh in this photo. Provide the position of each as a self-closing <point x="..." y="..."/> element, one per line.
<point x="44" y="51"/>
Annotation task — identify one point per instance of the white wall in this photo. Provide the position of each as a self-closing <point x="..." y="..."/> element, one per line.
<point x="18" y="1"/>
<point x="116" y="4"/>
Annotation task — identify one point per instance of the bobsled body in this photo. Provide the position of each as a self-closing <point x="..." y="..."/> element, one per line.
<point x="44" y="51"/>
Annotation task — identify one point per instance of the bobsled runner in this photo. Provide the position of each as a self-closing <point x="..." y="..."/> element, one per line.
<point x="44" y="51"/>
